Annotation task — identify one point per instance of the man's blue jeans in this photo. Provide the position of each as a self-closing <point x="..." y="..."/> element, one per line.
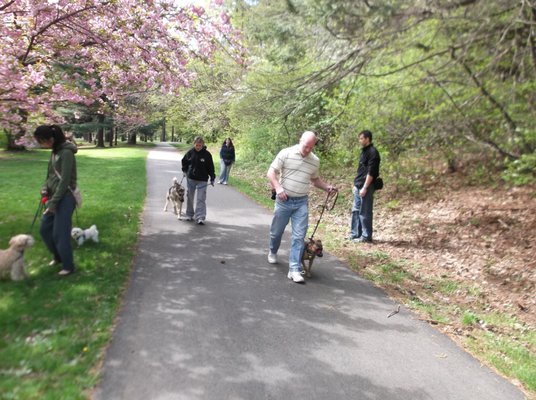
<point x="362" y="214"/>
<point x="296" y="210"/>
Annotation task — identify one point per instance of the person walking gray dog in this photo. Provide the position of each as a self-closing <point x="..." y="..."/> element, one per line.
<point x="198" y="167"/>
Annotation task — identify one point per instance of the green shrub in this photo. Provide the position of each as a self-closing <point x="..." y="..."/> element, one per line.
<point x="522" y="171"/>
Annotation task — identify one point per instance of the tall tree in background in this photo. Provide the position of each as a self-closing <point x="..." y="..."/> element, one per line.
<point x="438" y="75"/>
<point x="97" y="51"/>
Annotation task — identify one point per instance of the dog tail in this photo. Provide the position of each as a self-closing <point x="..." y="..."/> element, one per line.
<point x="96" y="236"/>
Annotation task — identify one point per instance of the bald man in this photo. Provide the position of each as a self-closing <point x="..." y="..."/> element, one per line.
<point x="291" y="173"/>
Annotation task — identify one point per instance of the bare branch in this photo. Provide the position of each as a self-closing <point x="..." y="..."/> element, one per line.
<point x="3" y="7"/>
<point x="50" y="24"/>
<point x="511" y="124"/>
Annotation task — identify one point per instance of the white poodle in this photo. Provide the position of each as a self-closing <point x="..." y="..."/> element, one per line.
<point x="12" y="259"/>
<point x="81" y="235"/>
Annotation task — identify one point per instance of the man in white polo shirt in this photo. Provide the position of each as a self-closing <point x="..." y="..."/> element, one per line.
<point x="290" y="174"/>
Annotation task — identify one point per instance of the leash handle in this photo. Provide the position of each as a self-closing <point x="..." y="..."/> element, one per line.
<point x="39" y="207"/>
<point x="332" y="196"/>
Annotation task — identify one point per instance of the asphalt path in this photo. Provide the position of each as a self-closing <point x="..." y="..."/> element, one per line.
<point x="206" y="317"/>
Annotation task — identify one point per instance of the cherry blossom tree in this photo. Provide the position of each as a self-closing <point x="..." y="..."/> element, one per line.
<point x="98" y="51"/>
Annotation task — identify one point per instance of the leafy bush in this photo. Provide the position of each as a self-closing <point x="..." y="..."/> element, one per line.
<point x="522" y="171"/>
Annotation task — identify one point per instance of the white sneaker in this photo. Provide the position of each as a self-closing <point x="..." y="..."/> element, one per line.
<point x="200" y="221"/>
<point x="296" y="276"/>
<point x="272" y="258"/>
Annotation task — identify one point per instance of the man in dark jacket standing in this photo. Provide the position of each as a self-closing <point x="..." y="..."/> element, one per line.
<point x="367" y="171"/>
<point x="198" y="167"/>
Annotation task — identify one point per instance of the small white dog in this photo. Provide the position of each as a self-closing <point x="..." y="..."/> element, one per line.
<point x="175" y="195"/>
<point x="12" y="259"/>
<point x="81" y="235"/>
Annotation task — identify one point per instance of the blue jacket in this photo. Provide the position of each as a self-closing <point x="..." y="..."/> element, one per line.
<point x="227" y="153"/>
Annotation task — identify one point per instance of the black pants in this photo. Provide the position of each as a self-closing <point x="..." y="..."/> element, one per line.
<point x="56" y="231"/>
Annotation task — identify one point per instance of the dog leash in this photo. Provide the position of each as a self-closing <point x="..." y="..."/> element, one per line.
<point x="330" y="198"/>
<point x="39" y="208"/>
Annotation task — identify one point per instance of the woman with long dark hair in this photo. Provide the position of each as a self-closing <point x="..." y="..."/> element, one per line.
<point x="227" y="158"/>
<point x="56" y="222"/>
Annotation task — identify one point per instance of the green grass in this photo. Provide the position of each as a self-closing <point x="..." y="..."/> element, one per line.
<point x="53" y="330"/>
<point x="469" y="318"/>
<point x="512" y="355"/>
<point x="251" y="180"/>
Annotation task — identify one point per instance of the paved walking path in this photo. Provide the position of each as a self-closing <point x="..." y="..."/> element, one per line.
<point x="206" y="317"/>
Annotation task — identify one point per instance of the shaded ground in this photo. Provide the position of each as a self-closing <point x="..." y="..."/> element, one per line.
<point x="481" y="240"/>
<point x="207" y="317"/>
<point x="468" y="250"/>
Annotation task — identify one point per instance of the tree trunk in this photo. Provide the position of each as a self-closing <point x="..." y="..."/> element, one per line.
<point x="100" y="132"/>
<point x="532" y="34"/>
<point x="11" y="145"/>
<point x="131" y="138"/>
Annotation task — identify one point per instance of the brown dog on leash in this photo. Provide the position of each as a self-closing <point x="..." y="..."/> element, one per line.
<point x="313" y="248"/>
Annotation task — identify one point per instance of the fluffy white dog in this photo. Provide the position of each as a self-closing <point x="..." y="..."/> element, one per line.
<point x="81" y="235"/>
<point x="12" y="259"/>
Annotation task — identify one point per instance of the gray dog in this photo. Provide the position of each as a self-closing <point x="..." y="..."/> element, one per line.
<point x="175" y="195"/>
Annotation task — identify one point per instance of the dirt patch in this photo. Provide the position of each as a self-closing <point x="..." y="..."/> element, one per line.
<point x="484" y="239"/>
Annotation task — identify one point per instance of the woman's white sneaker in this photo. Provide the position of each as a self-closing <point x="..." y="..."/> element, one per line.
<point x="296" y="277"/>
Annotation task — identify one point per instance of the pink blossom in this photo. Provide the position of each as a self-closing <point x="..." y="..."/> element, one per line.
<point x="113" y="49"/>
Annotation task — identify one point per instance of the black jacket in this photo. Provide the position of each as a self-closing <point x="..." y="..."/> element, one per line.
<point x="369" y="164"/>
<point x="198" y="165"/>
<point x="227" y="153"/>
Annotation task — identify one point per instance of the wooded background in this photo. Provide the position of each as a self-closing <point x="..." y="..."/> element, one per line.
<point x="445" y="82"/>
<point x="450" y="81"/>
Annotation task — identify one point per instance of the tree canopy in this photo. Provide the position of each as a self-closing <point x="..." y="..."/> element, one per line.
<point x="98" y="52"/>
<point x="438" y="76"/>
